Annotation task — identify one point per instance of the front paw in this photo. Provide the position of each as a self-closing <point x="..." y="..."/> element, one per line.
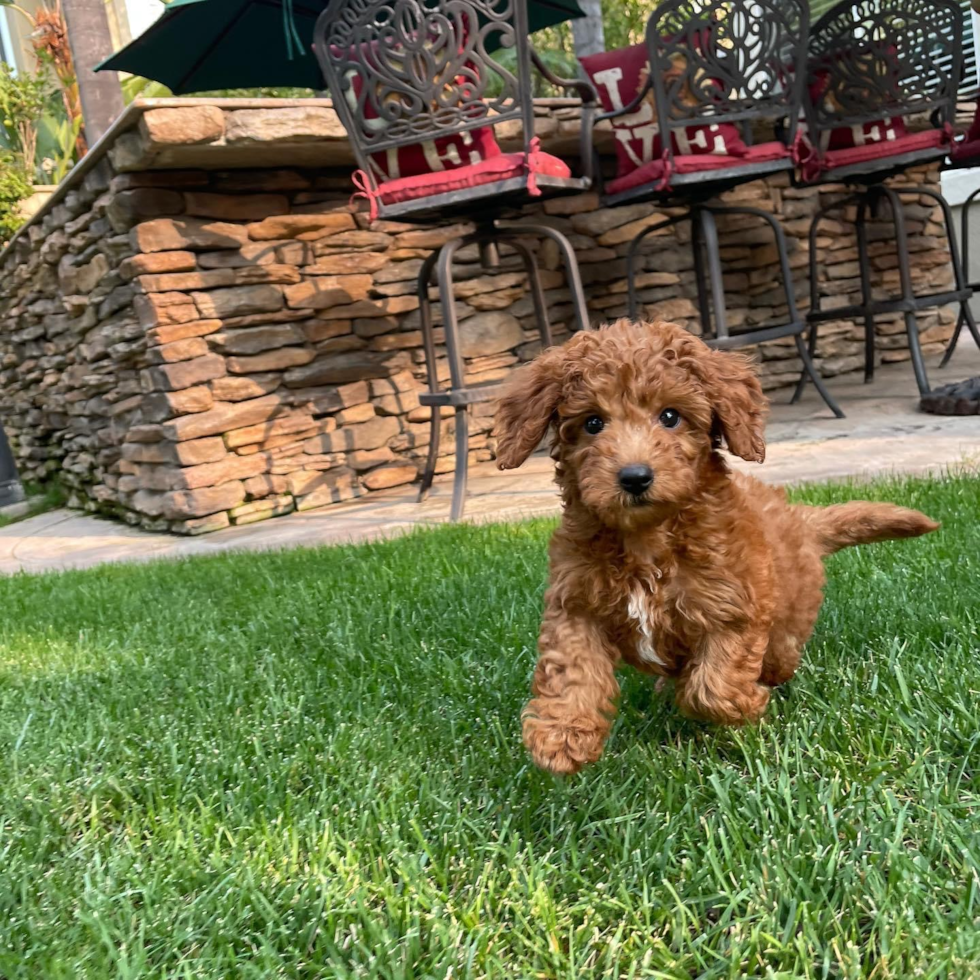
<point x="559" y="742"/>
<point x="730" y="707"/>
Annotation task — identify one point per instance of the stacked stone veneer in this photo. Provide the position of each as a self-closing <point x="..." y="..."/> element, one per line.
<point x="189" y="348"/>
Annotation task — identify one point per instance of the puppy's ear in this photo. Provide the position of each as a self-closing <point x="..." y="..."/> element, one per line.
<point x="527" y="407"/>
<point x="737" y="401"/>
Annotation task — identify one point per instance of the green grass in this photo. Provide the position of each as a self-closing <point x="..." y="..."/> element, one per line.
<point x="309" y="765"/>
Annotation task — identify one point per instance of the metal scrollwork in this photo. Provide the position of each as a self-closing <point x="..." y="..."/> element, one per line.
<point x="413" y="70"/>
<point x="727" y="57"/>
<point x="875" y="56"/>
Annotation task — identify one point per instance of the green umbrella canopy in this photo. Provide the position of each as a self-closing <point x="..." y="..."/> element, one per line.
<point x="204" y="45"/>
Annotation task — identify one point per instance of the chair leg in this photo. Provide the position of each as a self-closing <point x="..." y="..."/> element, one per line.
<point x="571" y="266"/>
<point x="793" y="312"/>
<point x="905" y="277"/>
<point x="697" y="244"/>
<point x="961" y="275"/>
<point x="716" y="278"/>
<point x="815" y="285"/>
<point x="462" y="462"/>
<point x="429" y="344"/>
<point x="864" y="263"/>
<point x="450" y="321"/>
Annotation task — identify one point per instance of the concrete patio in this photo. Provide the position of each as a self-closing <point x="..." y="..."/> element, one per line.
<point x="883" y="433"/>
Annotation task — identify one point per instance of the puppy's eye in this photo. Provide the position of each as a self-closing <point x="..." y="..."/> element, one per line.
<point x="669" y="418"/>
<point x="594" y="425"/>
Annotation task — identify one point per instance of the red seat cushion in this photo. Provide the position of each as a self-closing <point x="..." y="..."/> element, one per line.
<point x="655" y="171"/>
<point x="910" y="143"/>
<point x="500" y="167"/>
<point x="618" y="76"/>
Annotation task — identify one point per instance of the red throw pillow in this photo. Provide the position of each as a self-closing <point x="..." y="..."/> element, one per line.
<point x="617" y="77"/>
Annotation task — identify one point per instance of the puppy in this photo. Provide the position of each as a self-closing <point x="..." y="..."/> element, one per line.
<point x="664" y="558"/>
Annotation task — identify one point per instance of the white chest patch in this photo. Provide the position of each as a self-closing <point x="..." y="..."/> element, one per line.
<point x="638" y="609"/>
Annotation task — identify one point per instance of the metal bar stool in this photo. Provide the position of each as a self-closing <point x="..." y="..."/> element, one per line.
<point x="417" y="88"/>
<point x="965" y="155"/>
<point x="687" y="108"/>
<point x="870" y="65"/>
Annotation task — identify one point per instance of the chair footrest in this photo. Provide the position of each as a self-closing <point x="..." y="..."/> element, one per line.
<point x="757" y="336"/>
<point x="876" y="307"/>
<point x="458" y="397"/>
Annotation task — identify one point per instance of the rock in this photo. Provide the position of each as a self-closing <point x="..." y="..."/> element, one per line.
<point x="235" y="207"/>
<point x="179" y="504"/>
<point x="366" y="435"/>
<point x="259" y="510"/>
<point x="369" y="240"/>
<point x="429" y="238"/>
<point x="232" y="467"/>
<point x="160" y="406"/>
<point x="332" y="487"/>
<point x="82" y="279"/>
<point x="238" y="301"/>
<point x="295" y="225"/>
<point x="347" y="263"/>
<point x="325" y="292"/>
<point x="267" y="483"/>
<point x="579" y="204"/>
<point x="129" y="207"/>
<point x="366" y="459"/>
<point x="156" y="262"/>
<point x="273" y="360"/>
<point x="230" y="389"/>
<point x="201" y="525"/>
<point x="164" y="309"/>
<point x="251" y="253"/>
<point x="489" y="333"/>
<point x="299" y="124"/>
<point x="341" y="368"/>
<point x="168" y="234"/>
<point x="191" y="453"/>
<point x="178" y="350"/>
<point x="213" y="278"/>
<point x="319" y="330"/>
<point x="173" y="377"/>
<point x="323" y="400"/>
<point x="392" y="475"/>
<point x="262" y="431"/>
<point x="184" y="125"/>
<point x="255" y="340"/>
<point x="595" y="223"/>
<point x="180" y="331"/>
<point x="222" y="418"/>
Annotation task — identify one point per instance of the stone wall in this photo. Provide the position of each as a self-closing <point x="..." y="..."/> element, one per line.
<point x="195" y="345"/>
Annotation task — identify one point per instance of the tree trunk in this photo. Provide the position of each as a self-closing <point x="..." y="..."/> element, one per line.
<point x="587" y="31"/>
<point x="88" y="35"/>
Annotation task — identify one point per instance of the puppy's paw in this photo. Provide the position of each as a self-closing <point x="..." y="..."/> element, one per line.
<point x="558" y="743"/>
<point x="735" y="706"/>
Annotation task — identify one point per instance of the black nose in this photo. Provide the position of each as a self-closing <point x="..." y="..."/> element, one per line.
<point x="635" y="479"/>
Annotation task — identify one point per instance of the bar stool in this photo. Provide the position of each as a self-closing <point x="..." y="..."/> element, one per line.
<point x="418" y="90"/>
<point x="870" y="65"/>
<point x="686" y="108"/>
<point x="962" y="156"/>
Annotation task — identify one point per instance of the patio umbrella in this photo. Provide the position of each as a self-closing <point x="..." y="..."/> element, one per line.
<point x="203" y="45"/>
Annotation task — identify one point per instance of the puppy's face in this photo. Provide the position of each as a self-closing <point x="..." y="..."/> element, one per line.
<point x="636" y="410"/>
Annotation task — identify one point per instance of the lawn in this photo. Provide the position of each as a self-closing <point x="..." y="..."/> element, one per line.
<point x="309" y="765"/>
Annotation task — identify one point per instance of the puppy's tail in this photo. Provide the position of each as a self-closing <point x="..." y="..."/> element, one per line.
<point x="862" y="522"/>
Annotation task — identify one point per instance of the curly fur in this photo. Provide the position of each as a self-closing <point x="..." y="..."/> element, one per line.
<point x="712" y="579"/>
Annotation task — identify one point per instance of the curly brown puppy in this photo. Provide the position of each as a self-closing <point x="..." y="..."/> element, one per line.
<point x="664" y="558"/>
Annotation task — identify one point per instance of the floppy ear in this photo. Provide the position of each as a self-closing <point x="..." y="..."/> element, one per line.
<point x="737" y="400"/>
<point x="527" y="407"/>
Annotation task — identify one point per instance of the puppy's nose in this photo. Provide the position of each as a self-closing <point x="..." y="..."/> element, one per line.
<point x="635" y="479"/>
